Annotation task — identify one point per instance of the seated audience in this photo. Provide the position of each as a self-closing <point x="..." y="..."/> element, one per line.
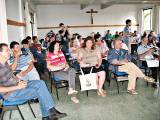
<point x="102" y="46"/>
<point x="121" y="35"/>
<point x="35" y="42"/>
<point x="45" y="43"/>
<point x="145" y="52"/>
<point x="80" y="39"/>
<point x="26" y="48"/>
<point x="21" y="62"/>
<point x="158" y="39"/>
<point x="74" y="47"/>
<point x="119" y="60"/>
<point x="115" y="35"/>
<point x="92" y="34"/>
<point x="53" y="38"/>
<point x="89" y="56"/>
<point x="152" y="41"/>
<point x="57" y="63"/>
<point x="50" y="33"/>
<point x="134" y="40"/>
<point x="124" y="46"/>
<point x="29" y="39"/>
<point x="14" y="89"/>
<point x="152" y="33"/>
<point x="40" y="63"/>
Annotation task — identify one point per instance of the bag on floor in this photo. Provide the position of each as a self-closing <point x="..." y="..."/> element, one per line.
<point x="88" y="81"/>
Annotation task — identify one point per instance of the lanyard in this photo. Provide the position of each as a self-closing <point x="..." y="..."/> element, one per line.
<point x="119" y="53"/>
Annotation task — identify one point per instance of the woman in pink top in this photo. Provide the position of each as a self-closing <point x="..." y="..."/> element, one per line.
<point x="56" y="62"/>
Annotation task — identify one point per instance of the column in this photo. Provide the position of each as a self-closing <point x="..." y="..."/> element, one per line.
<point x="28" y="20"/>
<point x="35" y="25"/>
<point x="3" y="23"/>
<point x="21" y="19"/>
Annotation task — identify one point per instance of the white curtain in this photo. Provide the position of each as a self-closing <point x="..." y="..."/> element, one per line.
<point x="28" y="20"/>
<point x="35" y="25"/>
<point x="3" y="23"/>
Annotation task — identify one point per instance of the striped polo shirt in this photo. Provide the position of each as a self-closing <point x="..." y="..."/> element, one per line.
<point x="22" y="63"/>
<point x="56" y="60"/>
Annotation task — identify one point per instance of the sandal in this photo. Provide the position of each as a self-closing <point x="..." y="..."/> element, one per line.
<point x="102" y="94"/>
<point x="104" y="91"/>
<point x="74" y="99"/>
<point x="149" y="79"/>
<point x="133" y="92"/>
<point x="72" y="92"/>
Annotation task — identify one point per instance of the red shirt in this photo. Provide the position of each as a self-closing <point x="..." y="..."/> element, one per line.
<point x="56" y="60"/>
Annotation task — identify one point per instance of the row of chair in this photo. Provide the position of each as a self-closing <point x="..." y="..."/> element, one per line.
<point x="119" y="77"/>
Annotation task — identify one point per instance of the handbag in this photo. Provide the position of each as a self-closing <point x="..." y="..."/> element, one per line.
<point x="88" y="81"/>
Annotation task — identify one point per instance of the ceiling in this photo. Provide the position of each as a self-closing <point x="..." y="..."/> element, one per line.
<point x="103" y="3"/>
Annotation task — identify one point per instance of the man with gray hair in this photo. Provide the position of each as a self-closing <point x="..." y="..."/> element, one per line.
<point x="13" y="89"/>
<point x="120" y="60"/>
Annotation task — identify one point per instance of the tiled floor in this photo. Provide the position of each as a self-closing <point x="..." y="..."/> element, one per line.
<point x="123" y="106"/>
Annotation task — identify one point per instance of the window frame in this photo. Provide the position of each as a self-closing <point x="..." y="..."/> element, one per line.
<point x="151" y="17"/>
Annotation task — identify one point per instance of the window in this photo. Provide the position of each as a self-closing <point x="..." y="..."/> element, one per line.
<point x="147" y="19"/>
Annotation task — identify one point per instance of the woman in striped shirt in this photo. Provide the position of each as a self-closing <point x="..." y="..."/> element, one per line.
<point x="56" y="62"/>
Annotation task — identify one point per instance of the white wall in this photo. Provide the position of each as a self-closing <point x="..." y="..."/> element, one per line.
<point x="14" y="11"/>
<point x="52" y="15"/>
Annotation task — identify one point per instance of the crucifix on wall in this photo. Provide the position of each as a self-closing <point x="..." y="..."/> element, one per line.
<point x="91" y="13"/>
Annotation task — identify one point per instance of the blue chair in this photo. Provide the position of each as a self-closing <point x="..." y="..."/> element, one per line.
<point x="120" y="77"/>
<point x="58" y="83"/>
<point x="13" y="105"/>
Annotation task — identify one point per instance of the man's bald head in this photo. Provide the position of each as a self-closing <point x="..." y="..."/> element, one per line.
<point x="117" y="44"/>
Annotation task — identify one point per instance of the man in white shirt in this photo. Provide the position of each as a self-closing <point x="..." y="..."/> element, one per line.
<point x="145" y="52"/>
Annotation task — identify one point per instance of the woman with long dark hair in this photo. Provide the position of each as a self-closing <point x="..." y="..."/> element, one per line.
<point x="56" y="62"/>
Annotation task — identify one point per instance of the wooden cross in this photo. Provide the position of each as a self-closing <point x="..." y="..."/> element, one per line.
<point x="91" y="12"/>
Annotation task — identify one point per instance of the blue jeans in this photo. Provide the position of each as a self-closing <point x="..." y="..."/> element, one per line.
<point x="35" y="89"/>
